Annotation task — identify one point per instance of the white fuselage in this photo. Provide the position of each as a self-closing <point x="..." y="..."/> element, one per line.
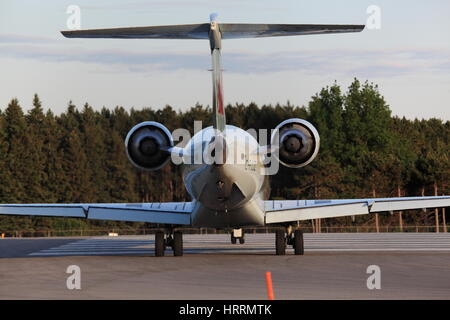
<point x="226" y="193"/>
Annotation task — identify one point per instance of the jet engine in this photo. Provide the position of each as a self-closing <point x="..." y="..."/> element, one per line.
<point x="298" y="142"/>
<point x="147" y="145"/>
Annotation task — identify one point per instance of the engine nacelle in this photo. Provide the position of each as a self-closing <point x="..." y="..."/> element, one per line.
<point x="298" y="142"/>
<point x="146" y="145"/>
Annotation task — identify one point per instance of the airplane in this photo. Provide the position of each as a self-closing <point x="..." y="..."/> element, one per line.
<point x="225" y="194"/>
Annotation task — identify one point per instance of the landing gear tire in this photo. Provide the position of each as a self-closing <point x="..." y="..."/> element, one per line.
<point x="242" y="237"/>
<point x="280" y="243"/>
<point x="160" y="245"/>
<point x="177" y="244"/>
<point x="299" y="246"/>
<point x="237" y="234"/>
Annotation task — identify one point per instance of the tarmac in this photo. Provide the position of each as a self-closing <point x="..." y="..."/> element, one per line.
<point x="335" y="266"/>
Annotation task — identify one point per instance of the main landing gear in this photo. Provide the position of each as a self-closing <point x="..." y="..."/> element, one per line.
<point x="171" y="239"/>
<point x="288" y="236"/>
<point x="237" y="234"/>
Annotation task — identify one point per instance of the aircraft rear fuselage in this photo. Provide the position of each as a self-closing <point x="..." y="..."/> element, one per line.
<point x="224" y="177"/>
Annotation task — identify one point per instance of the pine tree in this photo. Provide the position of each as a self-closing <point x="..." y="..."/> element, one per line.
<point x="37" y="158"/>
<point x="80" y="156"/>
<point x="120" y="175"/>
<point x="75" y="185"/>
<point x="93" y="143"/>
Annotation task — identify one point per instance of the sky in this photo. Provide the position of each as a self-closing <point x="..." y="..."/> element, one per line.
<point x="408" y="57"/>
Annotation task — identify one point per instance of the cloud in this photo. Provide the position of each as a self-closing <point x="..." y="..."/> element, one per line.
<point x="346" y="62"/>
<point x="137" y="62"/>
<point x="141" y="5"/>
<point x="168" y="4"/>
<point x="350" y="62"/>
<point x="14" y="38"/>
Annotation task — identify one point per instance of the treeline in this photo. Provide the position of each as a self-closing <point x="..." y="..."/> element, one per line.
<point x="79" y="156"/>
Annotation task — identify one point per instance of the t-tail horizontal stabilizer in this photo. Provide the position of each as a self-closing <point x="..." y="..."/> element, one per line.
<point x="201" y="31"/>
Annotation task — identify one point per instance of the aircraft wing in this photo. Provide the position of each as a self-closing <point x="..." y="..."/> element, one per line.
<point x="278" y="211"/>
<point x="178" y="213"/>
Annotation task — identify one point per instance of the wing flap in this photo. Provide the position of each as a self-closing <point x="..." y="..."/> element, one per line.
<point x="296" y="210"/>
<point x="164" y="213"/>
<point x="139" y="215"/>
<point x="48" y="210"/>
<point x="315" y="212"/>
<point x="396" y="204"/>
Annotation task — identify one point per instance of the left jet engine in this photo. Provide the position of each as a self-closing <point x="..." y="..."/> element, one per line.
<point x="147" y="145"/>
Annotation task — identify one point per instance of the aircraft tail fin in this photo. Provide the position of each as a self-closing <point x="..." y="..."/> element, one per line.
<point x="215" y="32"/>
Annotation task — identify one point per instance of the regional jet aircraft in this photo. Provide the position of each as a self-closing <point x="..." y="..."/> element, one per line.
<point x="225" y="194"/>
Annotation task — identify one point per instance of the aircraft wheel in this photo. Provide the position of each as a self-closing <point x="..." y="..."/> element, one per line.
<point x="159" y="244"/>
<point x="280" y="243"/>
<point x="242" y="237"/>
<point x="299" y="245"/>
<point x="177" y="244"/>
<point x="233" y="239"/>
